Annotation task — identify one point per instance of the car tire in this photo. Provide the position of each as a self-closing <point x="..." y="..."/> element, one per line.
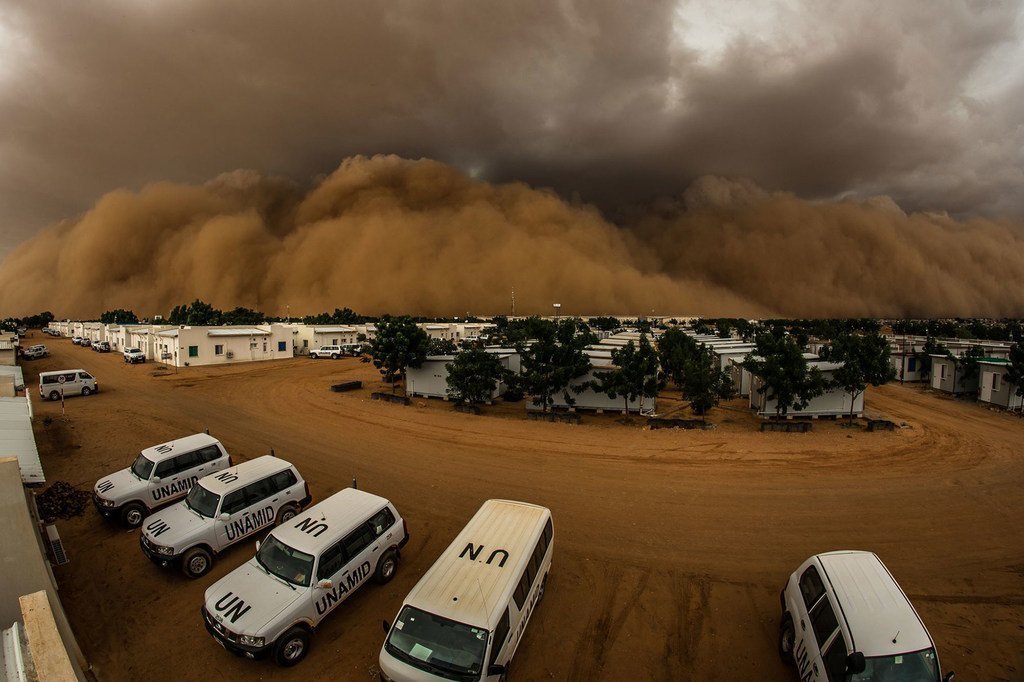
<point x="386" y="568"/>
<point x="132" y="514"/>
<point x="291" y="647"/>
<point x="86" y="391"/>
<point x="54" y="395"/>
<point x="787" y="640"/>
<point x="197" y="562"/>
<point x="334" y="356"/>
<point x="286" y="514"/>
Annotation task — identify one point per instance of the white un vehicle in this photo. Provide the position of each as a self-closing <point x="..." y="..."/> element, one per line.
<point x="465" y="618"/>
<point x="159" y="475"/>
<point x="222" y="509"/>
<point x="332" y="352"/>
<point x="845" y="618"/>
<point x="66" y="382"/>
<point x="303" y="571"/>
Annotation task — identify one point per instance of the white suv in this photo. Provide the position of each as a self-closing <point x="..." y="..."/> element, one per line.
<point x="160" y="475"/>
<point x="332" y="352"/>
<point x="854" y="623"/>
<point x="133" y="355"/>
<point x="223" y="509"/>
<point x="303" y="571"/>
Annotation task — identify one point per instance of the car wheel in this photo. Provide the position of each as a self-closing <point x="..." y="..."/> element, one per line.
<point x="386" y="568"/>
<point x="86" y="390"/>
<point x="291" y="647"/>
<point x="196" y="562"/>
<point x="286" y="514"/>
<point x="54" y="395"/>
<point x="132" y="514"/>
<point x="334" y="356"/>
<point x="787" y="640"/>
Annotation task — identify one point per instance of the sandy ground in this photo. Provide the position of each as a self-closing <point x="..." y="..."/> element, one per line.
<point x="671" y="546"/>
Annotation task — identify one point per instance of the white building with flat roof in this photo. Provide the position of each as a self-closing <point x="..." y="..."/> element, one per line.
<point x="187" y="346"/>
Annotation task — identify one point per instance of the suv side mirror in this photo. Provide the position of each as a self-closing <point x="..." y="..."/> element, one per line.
<point x="855" y="663"/>
<point x="156" y="479"/>
<point x="949" y="677"/>
<point x="387" y="626"/>
<point x="225" y="516"/>
<point x="495" y="670"/>
<point x="325" y="584"/>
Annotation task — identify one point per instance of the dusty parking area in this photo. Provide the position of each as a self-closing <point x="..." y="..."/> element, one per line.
<point x="670" y="546"/>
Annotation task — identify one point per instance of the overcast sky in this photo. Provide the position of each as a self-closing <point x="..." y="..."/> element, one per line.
<point x="618" y="102"/>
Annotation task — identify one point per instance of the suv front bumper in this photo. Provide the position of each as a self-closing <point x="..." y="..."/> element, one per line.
<point x="223" y="637"/>
<point x="154" y="556"/>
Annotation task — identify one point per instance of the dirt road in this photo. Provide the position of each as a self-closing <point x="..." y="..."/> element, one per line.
<point x="670" y="546"/>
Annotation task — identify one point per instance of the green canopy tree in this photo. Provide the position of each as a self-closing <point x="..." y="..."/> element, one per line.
<point x="473" y="374"/>
<point x="924" y="356"/>
<point x="865" y="361"/>
<point x="398" y="345"/>
<point x="119" y="316"/>
<point x="634" y="374"/>
<point x="442" y="347"/>
<point x="196" y="314"/>
<point x="242" y="316"/>
<point x="676" y="350"/>
<point x="778" y="360"/>
<point x="552" y="359"/>
<point x="705" y="383"/>
<point x="966" y="365"/>
<point x="1015" y="370"/>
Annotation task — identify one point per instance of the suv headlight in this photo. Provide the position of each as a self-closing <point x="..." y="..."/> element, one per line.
<point x="249" y="640"/>
<point x="106" y="502"/>
<point x="160" y="549"/>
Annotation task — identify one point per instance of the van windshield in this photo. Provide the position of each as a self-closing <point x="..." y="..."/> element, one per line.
<point x="286" y="563"/>
<point x="142" y="467"/>
<point x="202" y="501"/>
<point x="919" y="666"/>
<point x="440" y="646"/>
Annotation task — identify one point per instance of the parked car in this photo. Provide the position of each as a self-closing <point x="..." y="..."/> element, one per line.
<point x="133" y="355"/>
<point x="35" y="352"/>
<point x="101" y="347"/>
<point x="223" y="509"/>
<point x="854" y="620"/>
<point x="77" y="340"/>
<point x="160" y="475"/>
<point x="332" y="352"/>
<point x="66" y="382"/>
<point x="86" y="342"/>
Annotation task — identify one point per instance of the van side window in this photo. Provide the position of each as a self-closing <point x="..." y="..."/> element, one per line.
<point x="283" y="480"/>
<point x="84" y="375"/>
<point x="258" y="491"/>
<point x="823" y="618"/>
<point x="522" y="589"/>
<point x="331" y="561"/>
<point x="168" y="467"/>
<point x="70" y="377"/>
<point x="500" y="635"/>
<point x="548" y="534"/>
<point x="358" y="540"/>
<point x="188" y="461"/>
<point x="811" y="586"/>
<point x="835" y="659"/>
<point x="383" y="520"/>
<point x="233" y="502"/>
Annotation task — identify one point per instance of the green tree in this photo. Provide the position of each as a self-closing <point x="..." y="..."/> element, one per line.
<point x="676" y="349"/>
<point x="779" y="362"/>
<point x="473" y="375"/>
<point x="442" y="347"/>
<point x="196" y="314"/>
<point x="865" y="360"/>
<point x="1015" y="370"/>
<point x="552" y="359"/>
<point x="242" y="316"/>
<point x="967" y="365"/>
<point x="398" y="345"/>
<point x="924" y="356"/>
<point x="119" y="316"/>
<point x="634" y="374"/>
<point x="705" y="383"/>
<point x="604" y="323"/>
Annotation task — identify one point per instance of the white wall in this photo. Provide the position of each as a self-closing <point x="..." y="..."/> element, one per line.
<point x="833" y="402"/>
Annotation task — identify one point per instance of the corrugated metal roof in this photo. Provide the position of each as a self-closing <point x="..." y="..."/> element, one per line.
<point x="237" y="331"/>
<point x="874" y="605"/>
<point x="16" y="372"/>
<point x="17" y="439"/>
<point x="475" y="592"/>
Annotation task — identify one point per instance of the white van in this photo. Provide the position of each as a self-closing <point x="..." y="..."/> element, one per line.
<point x="160" y="475"/>
<point x="67" y="381"/>
<point x="303" y="571"/>
<point x="222" y="509"/>
<point x="465" y="617"/>
<point x="845" y="618"/>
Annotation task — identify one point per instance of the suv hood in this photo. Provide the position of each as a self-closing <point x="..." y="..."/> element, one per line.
<point x="176" y="527"/>
<point x="246" y="600"/>
<point x="121" y="486"/>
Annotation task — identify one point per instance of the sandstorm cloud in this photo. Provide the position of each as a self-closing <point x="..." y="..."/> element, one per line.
<point x="385" y="234"/>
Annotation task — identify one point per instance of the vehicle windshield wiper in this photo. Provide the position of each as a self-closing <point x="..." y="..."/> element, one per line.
<point x="274" y="575"/>
<point x="440" y="665"/>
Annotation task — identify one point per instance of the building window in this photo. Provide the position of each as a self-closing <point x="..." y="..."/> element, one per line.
<point x="912" y="365"/>
<point x="282" y="346"/>
<point x="334" y="342"/>
<point x="995" y="381"/>
<point x="305" y="343"/>
<point x="942" y="371"/>
<point x="193" y="351"/>
<point x="218" y="349"/>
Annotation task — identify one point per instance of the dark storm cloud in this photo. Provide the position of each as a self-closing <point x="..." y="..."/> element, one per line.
<point x="616" y="101"/>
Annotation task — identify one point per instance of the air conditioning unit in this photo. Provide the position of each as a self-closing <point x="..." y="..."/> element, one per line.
<point x="60" y="557"/>
<point x="229" y="355"/>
